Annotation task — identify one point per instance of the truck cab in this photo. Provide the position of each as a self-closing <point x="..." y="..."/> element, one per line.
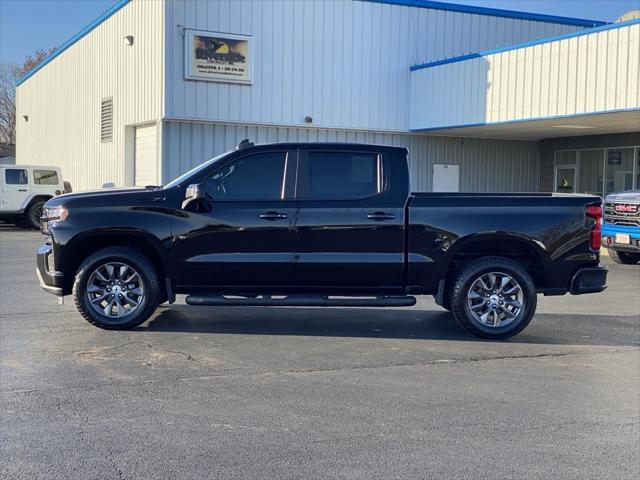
<point x="25" y="189"/>
<point x="621" y="227"/>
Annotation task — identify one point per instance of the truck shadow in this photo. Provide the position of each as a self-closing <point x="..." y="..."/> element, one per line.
<point x="410" y="324"/>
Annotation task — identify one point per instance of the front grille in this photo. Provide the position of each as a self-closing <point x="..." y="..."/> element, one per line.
<point x="613" y="217"/>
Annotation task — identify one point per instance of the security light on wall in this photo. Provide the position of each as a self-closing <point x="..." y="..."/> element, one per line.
<point x="25" y="118"/>
<point x="128" y="40"/>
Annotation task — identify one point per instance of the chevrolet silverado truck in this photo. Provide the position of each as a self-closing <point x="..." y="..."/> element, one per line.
<point x="621" y="228"/>
<point x="304" y="224"/>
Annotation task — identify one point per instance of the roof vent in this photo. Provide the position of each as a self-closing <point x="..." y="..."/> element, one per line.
<point x="244" y="144"/>
<point x="632" y="15"/>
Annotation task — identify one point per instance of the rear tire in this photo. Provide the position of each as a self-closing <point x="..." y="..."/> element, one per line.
<point x="624" y="258"/>
<point x="34" y="213"/>
<point x="493" y="297"/>
<point x="117" y="288"/>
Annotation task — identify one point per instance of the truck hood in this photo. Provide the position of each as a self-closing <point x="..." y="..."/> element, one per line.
<point x="101" y="196"/>
<point x="628" y="196"/>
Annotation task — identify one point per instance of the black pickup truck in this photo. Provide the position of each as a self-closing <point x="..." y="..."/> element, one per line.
<point x="304" y="224"/>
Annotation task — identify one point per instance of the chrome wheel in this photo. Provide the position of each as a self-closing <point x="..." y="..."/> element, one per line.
<point x="495" y="299"/>
<point x="115" y="290"/>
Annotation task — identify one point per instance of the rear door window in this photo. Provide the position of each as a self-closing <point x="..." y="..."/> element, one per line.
<point x="340" y="175"/>
<point x="45" y="177"/>
<point x="16" y="176"/>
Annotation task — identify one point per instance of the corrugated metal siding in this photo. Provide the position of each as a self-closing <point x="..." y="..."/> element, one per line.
<point x="485" y="165"/>
<point x="344" y="63"/>
<point x="584" y="74"/>
<point x="63" y="99"/>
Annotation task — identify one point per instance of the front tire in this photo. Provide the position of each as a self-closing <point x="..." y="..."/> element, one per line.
<point x="493" y="297"/>
<point x="117" y="288"/>
<point x="624" y="258"/>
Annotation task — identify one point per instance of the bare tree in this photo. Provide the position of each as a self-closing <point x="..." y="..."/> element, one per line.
<point x="9" y="74"/>
<point x="8" y="77"/>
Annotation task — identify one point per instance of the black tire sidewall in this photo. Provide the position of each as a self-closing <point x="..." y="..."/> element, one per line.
<point x="30" y="213"/>
<point x="624" y="258"/>
<point x="130" y="257"/>
<point x="460" y="308"/>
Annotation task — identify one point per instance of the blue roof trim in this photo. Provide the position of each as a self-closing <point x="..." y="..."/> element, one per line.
<point x="75" y="38"/>
<point x="523" y="120"/>
<point x="531" y="43"/>
<point x="493" y="12"/>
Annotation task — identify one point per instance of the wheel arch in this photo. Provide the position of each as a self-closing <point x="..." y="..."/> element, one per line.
<point x="36" y="197"/>
<point x="80" y="247"/>
<point x="526" y="251"/>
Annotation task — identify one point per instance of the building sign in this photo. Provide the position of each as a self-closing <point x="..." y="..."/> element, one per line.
<point x="218" y="57"/>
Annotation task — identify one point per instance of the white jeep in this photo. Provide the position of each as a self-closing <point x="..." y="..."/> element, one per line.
<point x="25" y="189"/>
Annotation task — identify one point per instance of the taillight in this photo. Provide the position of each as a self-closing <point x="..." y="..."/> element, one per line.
<point x="595" y="235"/>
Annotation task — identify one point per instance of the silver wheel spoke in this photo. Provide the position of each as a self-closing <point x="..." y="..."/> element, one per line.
<point x="99" y="299"/>
<point x="108" y="309"/>
<point x="512" y="290"/>
<point x="123" y="270"/>
<point x="130" y="300"/>
<point x="137" y="291"/>
<point x="483" y="284"/>
<point x="132" y="278"/>
<point x="101" y="277"/>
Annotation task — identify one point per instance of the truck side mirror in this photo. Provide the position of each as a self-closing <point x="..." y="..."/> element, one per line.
<point x="193" y="193"/>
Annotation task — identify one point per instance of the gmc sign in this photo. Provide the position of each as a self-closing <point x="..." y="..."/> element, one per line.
<point x="628" y="208"/>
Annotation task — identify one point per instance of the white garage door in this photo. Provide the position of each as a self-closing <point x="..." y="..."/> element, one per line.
<point x="145" y="156"/>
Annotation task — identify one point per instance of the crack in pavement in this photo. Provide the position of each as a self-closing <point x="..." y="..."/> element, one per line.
<point x="89" y="353"/>
<point x="235" y="374"/>
<point x="80" y="423"/>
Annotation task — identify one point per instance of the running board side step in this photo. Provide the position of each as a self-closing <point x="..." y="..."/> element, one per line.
<point x="299" y="301"/>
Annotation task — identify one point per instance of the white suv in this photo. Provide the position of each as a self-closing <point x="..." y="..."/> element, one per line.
<point x="25" y="189"/>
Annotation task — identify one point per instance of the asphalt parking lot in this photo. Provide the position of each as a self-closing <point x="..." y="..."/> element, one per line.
<point x="315" y="393"/>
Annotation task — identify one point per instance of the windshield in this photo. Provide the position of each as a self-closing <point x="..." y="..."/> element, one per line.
<point x="195" y="170"/>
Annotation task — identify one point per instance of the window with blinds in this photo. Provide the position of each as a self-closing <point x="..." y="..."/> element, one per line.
<point x="106" y="120"/>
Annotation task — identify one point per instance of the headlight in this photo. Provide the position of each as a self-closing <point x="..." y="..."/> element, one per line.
<point x="51" y="216"/>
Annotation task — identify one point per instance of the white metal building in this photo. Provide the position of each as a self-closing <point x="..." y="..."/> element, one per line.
<point x="507" y="100"/>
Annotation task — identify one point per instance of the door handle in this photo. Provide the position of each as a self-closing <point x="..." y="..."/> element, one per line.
<point x="21" y="190"/>
<point x="273" y="216"/>
<point x="381" y="216"/>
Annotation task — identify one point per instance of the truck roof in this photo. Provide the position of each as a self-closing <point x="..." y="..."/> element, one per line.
<point x="245" y="144"/>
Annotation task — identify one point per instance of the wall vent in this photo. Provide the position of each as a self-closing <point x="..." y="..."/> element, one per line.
<point x="106" y="120"/>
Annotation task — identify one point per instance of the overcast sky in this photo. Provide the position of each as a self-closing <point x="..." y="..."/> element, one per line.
<point x="28" y="25"/>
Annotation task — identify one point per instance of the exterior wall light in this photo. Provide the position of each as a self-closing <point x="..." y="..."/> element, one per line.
<point x="308" y="119"/>
<point x="25" y="118"/>
<point x="128" y="40"/>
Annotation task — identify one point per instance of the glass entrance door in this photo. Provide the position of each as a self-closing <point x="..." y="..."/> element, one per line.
<point x="565" y="179"/>
<point x="618" y="170"/>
